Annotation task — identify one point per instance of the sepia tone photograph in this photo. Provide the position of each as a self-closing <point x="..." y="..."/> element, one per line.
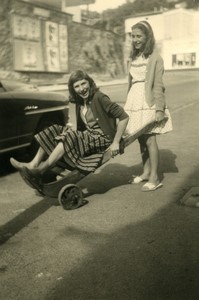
<point x="99" y="172"/>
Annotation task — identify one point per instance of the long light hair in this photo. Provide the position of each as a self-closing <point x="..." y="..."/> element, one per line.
<point x="147" y="30"/>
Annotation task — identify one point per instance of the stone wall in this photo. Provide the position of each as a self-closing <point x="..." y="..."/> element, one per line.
<point x="6" y="49"/>
<point x="96" y="51"/>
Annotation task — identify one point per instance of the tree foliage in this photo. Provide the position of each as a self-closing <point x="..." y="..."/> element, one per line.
<point x="113" y="19"/>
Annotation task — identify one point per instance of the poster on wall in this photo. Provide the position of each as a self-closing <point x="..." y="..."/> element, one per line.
<point x="28" y="56"/>
<point x="19" y="25"/>
<point x="33" y="29"/>
<point x="63" y="57"/>
<point x="63" y="47"/>
<point x="63" y="34"/>
<point x="34" y="46"/>
<point x="51" y="34"/>
<point x="53" y="59"/>
<point x="26" y="28"/>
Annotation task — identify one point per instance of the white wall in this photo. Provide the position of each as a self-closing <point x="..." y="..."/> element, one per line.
<point x="156" y="21"/>
<point x="177" y="36"/>
<point x="181" y="54"/>
<point x="178" y="24"/>
<point x="75" y="11"/>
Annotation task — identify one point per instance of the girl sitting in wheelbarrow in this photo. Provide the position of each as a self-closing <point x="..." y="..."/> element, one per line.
<point x="100" y="126"/>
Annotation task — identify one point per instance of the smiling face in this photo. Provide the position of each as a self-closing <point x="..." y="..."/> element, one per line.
<point x="138" y="39"/>
<point x="82" y="88"/>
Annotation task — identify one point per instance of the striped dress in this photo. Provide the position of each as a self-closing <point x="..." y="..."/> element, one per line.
<point x="83" y="149"/>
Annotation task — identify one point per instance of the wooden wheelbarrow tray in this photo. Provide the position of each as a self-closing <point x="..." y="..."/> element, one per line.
<point x="63" y="185"/>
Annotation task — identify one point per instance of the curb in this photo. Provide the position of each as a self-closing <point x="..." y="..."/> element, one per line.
<point x="62" y="87"/>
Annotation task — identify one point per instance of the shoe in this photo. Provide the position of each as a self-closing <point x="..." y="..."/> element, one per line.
<point x="30" y="179"/>
<point x="147" y="187"/>
<point x="136" y="180"/>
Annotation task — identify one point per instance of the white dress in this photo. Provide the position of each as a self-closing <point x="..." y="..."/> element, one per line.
<point x="140" y="114"/>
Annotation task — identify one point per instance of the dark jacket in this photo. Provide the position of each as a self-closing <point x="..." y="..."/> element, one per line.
<point x="105" y="113"/>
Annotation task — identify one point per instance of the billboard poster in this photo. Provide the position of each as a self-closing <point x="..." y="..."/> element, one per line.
<point x="28" y="56"/>
<point x="26" y="28"/>
<point x="37" y="41"/>
<point x="63" y="51"/>
<point x="33" y="29"/>
<point x="51" y="34"/>
<point x="19" y="27"/>
<point x="53" y="59"/>
<point x="63" y="47"/>
<point x="63" y="34"/>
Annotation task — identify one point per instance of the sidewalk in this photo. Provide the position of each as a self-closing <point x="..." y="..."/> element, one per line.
<point x="169" y="76"/>
<point x="60" y="86"/>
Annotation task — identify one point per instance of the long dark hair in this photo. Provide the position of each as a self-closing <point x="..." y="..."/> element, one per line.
<point x="146" y="28"/>
<point x="76" y="76"/>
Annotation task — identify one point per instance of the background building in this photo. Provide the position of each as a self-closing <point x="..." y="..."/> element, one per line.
<point x="42" y="43"/>
<point x="177" y="36"/>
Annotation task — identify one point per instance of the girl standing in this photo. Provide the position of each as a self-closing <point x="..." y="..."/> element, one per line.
<point x="146" y="101"/>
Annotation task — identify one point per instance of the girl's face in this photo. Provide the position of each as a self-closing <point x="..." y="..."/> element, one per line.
<point x="138" y="39"/>
<point x="82" y="88"/>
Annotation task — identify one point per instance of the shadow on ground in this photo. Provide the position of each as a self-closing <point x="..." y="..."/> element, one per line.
<point x="156" y="258"/>
<point x="153" y="259"/>
<point x="112" y="175"/>
<point x="23" y="219"/>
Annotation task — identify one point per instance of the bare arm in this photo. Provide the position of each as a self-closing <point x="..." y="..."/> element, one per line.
<point x="129" y="82"/>
<point x="115" y="146"/>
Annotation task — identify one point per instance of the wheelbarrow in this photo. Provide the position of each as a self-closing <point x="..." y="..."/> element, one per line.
<point x="62" y="184"/>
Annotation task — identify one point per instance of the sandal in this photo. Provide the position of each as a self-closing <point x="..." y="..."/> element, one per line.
<point x="136" y="180"/>
<point x="149" y="186"/>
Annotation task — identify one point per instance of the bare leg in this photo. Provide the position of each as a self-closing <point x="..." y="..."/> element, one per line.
<point x="38" y="158"/>
<point x="153" y="158"/>
<point x="32" y="164"/>
<point x="145" y="157"/>
<point x="50" y="162"/>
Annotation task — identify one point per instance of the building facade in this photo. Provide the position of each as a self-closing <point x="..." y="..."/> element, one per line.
<point x="42" y="43"/>
<point x="177" y="37"/>
<point x="34" y="39"/>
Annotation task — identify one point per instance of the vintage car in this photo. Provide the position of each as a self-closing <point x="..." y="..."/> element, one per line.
<point x="25" y="110"/>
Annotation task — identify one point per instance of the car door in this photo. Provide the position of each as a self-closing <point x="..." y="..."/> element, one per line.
<point x="27" y="118"/>
<point x="8" y="128"/>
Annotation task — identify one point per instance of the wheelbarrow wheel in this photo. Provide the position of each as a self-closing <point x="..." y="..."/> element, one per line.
<point x="70" y="197"/>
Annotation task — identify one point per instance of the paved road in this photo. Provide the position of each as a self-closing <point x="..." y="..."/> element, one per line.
<point x="124" y="244"/>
